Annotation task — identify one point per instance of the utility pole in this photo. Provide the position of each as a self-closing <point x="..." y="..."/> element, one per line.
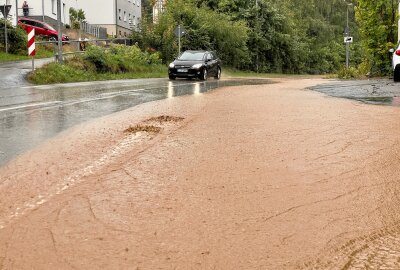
<point x="43" y="10"/>
<point x="60" y="49"/>
<point x="16" y="10"/>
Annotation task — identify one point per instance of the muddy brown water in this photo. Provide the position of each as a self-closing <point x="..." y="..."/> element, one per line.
<point x="250" y="177"/>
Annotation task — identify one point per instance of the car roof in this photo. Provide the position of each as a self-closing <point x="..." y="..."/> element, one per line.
<point x="28" y="19"/>
<point x="199" y="51"/>
<point x="194" y="51"/>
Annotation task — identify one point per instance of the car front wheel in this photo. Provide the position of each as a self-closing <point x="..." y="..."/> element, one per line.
<point x="218" y="75"/>
<point x="204" y="75"/>
<point x="171" y="77"/>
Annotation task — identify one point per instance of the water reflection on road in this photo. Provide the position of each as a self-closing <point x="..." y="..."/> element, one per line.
<point x="30" y="115"/>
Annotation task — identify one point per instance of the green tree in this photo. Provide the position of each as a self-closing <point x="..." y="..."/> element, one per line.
<point x="291" y="36"/>
<point x="206" y="29"/>
<point x="378" y="26"/>
<point x="76" y="17"/>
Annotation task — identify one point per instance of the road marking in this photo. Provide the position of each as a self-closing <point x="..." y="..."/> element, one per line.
<point x="30" y="106"/>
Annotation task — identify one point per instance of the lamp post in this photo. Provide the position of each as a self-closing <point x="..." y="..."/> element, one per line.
<point x="347" y="33"/>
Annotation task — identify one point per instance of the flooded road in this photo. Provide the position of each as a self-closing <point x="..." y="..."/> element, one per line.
<point x="246" y="177"/>
<point x="29" y="115"/>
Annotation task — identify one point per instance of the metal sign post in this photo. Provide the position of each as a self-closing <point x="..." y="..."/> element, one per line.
<point x="179" y="39"/>
<point x="60" y="49"/>
<point x="5" y="28"/>
<point x="347" y="41"/>
<point x="180" y="31"/>
<point x="347" y="33"/>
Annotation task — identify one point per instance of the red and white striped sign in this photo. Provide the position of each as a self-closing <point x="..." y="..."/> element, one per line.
<point x="31" y="42"/>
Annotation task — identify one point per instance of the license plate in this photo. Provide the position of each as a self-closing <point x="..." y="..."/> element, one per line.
<point x="183" y="70"/>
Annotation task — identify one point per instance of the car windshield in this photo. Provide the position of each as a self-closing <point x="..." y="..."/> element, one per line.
<point x="191" y="56"/>
<point x="48" y="27"/>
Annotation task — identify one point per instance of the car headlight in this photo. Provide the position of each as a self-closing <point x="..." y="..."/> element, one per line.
<point x="172" y="65"/>
<point x="197" y="66"/>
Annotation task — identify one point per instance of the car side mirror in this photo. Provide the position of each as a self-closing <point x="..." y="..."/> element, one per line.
<point x="391" y="50"/>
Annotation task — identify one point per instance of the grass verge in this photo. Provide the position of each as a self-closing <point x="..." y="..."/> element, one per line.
<point x="41" y="52"/>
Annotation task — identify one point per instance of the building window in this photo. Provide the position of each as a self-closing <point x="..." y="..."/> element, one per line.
<point x="124" y="16"/>
<point x="119" y="14"/>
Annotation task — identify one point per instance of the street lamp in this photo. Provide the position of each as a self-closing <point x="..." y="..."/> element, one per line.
<point x="347" y="33"/>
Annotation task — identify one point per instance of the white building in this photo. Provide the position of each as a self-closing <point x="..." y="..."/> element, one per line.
<point x="119" y="17"/>
<point x="158" y="8"/>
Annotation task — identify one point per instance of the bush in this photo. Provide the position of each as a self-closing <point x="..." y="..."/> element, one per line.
<point x="363" y="70"/>
<point x="97" y="56"/>
<point x="116" y="62"/>
<point x="120" y="58"/>
<point x="348" y="73"/>
<point x="17" y="39"/>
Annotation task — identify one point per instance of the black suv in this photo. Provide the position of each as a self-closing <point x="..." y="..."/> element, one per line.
<point x="195" y="64"/>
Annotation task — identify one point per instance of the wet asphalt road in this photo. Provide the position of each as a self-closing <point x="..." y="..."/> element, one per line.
<point x="378" y="92"/>
<point x="12" y="74"/>
<point x="30" y="115"/>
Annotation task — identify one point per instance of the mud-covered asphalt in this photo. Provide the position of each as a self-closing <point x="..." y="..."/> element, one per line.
<point x="248" y="177"/>
<point x="379" y="92"/>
